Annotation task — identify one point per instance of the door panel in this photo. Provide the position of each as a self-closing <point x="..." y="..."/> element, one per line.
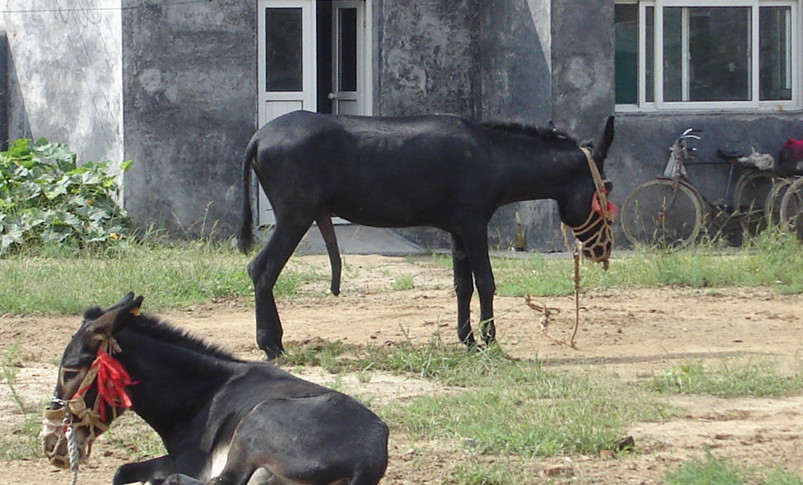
<point x="286" y="67"/>
<point x="288" y="62"/>
<point x="348" y="58"/>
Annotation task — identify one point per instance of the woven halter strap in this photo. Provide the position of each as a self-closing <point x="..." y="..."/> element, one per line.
<point x="600" y="207"/>
<point x="74" y="413"/>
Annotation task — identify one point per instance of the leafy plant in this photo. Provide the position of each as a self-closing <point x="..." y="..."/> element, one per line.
<point x="46" y="197"/>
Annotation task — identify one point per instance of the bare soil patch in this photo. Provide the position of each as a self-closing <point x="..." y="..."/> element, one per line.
<point x="628" y="333"/>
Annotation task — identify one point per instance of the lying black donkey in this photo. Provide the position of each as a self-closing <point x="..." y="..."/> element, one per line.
<point x="221" y="419"/>
<point x="439" y="170"/>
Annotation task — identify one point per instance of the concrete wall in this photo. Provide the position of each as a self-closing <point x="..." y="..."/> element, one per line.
<point x="426" y="57"/>
<point x="65" y="74"/>
<point x="190" y="97"/>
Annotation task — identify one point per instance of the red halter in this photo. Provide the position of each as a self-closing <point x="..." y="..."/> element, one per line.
<point x="112" y="380"/>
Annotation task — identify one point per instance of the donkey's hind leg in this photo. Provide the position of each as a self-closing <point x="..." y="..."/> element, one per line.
<point x="324" y="222"/>
<point x="264" y="271"/>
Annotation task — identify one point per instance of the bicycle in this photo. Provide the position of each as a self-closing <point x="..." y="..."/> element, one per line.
<point x="784" y="204"/>
<point x="670" y="211"/>
<point x="791" y="208"/>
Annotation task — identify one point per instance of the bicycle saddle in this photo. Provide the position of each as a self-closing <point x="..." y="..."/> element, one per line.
<point x="729" y="153"/>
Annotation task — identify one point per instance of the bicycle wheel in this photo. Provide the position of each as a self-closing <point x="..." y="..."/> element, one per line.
<point x="749" y="198"/>
<point x="772" y="205"/>
<point x="792" y="208"/>
<point x="656" y="214"/>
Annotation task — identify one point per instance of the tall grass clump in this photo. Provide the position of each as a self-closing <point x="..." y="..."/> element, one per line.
<point x="779" y="256"/>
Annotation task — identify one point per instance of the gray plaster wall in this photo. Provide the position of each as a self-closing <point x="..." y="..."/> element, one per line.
<point x="190" y="108"/>
<point x="65" y="74"/>
<point x="426" y="57"/>
<point x="582" y="65"/>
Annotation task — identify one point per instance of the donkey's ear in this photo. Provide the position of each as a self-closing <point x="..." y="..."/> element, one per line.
<point x="601" y="148"/>
<point x="125" y="301"/>
<point x="109" y="323"/>
<point x="126" y="313"/>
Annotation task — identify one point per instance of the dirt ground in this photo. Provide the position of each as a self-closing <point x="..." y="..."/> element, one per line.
<point x="627" y="333"/>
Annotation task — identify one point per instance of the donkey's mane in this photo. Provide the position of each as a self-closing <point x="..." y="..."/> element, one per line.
<point x="546" y="133"/>
<point x="167" y="333"/>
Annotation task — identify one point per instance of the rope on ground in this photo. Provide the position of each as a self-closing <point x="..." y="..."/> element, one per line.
<point x="547" y="312"/>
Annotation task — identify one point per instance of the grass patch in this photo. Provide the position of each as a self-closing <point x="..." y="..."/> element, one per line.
<point x="130" y="433"/>
<point x="487" y="474"/>
<point x="754" y="379"/>
<point x="500" y="404"/>
<point x="527" y="411"/>
<point x="710" y="470"/>
<point x="63" y="280"/>
<point x="22" y="443"/>
<point x="169" y="276"/>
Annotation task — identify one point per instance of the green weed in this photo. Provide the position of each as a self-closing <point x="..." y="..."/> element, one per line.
<point x="710" y="470"/>
<point x="403" y="282"/>
<point x="754" y="378"/>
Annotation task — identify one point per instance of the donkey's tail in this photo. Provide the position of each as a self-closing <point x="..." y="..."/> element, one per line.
<point x="246" y="236"/>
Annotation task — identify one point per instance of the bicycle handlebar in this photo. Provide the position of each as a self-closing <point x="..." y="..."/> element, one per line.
<point x="690" y="133"/>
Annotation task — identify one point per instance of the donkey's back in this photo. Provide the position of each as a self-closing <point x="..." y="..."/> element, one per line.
<point x="375" y="171"/>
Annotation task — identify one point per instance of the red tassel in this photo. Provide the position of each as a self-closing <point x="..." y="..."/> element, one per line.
<point x="610" y="208"/>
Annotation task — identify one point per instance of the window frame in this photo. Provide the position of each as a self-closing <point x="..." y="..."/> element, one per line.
<point x="755" y="103"/>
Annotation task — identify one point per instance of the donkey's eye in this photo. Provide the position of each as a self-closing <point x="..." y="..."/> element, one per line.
<point x="69" y="375"/>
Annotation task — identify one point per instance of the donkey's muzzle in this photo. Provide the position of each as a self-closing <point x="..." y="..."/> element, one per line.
<point x="597" y="238"/>
<point x="55" y="441"/>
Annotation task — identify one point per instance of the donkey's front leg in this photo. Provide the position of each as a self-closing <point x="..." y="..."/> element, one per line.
<point x="264" y="271"/>
<point x="464" y="289"/>
<point x="151" y="471"/>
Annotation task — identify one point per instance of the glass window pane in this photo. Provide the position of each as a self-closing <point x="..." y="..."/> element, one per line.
<point x="673" y="54"/>
<point x="348" y="49"/>
<point x="283" y="49"/>
<point x="775" y="53"/>
<point x="719" y="54"/>
<point x="626" y="59"/>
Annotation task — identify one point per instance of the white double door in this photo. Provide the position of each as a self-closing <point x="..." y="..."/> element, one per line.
<point x="312" y="55"/>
